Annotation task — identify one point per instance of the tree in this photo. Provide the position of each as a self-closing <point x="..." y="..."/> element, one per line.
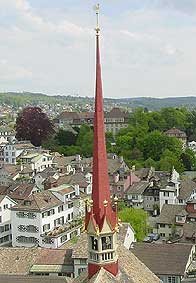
<point x="170" y="159"/>
<point x="34" y="125"/>
<point x="64" y="137"/>
<point x="175" y="117"/>
<point x="150" y="163"/>
<point x="138" y="220"/>
<point x="155" y="143"/>
<point x="85" y="140"/>
<point x="188" y="159"/>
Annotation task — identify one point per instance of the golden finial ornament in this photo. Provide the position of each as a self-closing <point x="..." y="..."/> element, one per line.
<point x="91" y="202"/>
<point x="97" y="230"/>
<point x="97" y="9"/>
<point x="115" y="200"/>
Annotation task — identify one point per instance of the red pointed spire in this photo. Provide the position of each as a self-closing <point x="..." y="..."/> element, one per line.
<point x="100" y="191"/>
<point x="101" y="200"/>
<point x="101" y="217"/>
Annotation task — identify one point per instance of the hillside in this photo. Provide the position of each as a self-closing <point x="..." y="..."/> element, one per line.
<point x="27" y="98"/>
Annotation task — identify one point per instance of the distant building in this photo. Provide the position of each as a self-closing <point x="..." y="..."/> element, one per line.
<point x="192" y="145"/>
<point x="7" y="133"/>
<point x="114" y="120"/>
<point x="176" y="133"/>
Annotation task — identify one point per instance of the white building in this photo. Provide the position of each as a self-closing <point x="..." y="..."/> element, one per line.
<point x="13" y="150"/>
<point x="38" y="161"/>
<point x="5" y="219"/>
<point x="44" y="220"/>
<point x="170" y="193"/>
<point x="192" y="145"/>
<point x="7" y="133"/>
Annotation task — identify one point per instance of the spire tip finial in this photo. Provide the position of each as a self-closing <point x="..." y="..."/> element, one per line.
<point x="97" y="9"/>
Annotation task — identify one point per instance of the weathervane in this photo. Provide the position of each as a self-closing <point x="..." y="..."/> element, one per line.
<point x="97" y="8"/>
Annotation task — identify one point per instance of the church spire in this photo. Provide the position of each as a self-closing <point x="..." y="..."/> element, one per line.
<point x="101" y="221"/>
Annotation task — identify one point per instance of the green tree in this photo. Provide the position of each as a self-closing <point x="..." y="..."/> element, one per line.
<point x="66" y="138"/>
<point x="138" y="220"/>
<point x="170" y="159"/>
<point x="150" y="163"/>
<point x="175" y="117"/>
<point x="155" y="143"/>
<point x="188" y="159"/>
<point x="85" y="140"/>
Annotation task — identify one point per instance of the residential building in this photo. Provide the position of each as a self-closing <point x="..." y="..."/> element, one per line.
<point x="170" y="262"/>
<point x="7" y="133"/>
<point x="169" y="194"/>
<point x="8" y="174"/>
<point x="135" y="194"/>
<point x="174" y="132"/>
<point x="53" y="263"/>
<point x="115" y="120"/>
<point x="37" y="161"/>
<point x="17" y="263"/>
<point x="43" y="220"/>
<point x="13" y="150"/>
<point x="121" y="181"/>
<point x="171" y="220"/>
<point x="6" y="204"/>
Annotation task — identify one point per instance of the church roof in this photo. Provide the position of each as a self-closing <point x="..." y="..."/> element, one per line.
<point x="131" y="269"/>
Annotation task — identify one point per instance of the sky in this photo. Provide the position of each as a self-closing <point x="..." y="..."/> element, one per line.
<point x="148" y="47"/>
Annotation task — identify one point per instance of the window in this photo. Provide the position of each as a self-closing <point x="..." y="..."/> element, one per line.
<point x="162" y="225"/>
<point x="82" y="261"/>
<point x="59" y="221"/>
<point x="162" y="234"/>
<point x="106" y="242"/>
<point x="48" y="213"/>
<point x="94" y="243"/>
<point x="134" y="197"/>
<point x="70" y="205"/>
<point x="166" y="201"/>
<point x="7" y="227"/>
<point x="60" y="208"/>
<point x="172" y="279"/>
<point x="5" y="206"/>
<point x="4" y="239"/>
<point x="63" y="238"/>
<point x="0" y="219"/>
<point x="28" y="240"/>
<point x="179" y="218"/>
<point x="47" y="241"/>
<point x="166" y="194"/>
<point x="46" y="227"/>
<point x="13" y="153"/>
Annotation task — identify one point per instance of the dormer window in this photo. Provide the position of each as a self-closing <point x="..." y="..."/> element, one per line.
<point x="27" y="202"/>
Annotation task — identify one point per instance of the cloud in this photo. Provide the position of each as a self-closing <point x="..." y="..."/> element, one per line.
<point x="147" y="50"/>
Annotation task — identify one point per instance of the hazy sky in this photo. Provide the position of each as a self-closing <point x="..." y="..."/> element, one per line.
<point x="148" y="47"/>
